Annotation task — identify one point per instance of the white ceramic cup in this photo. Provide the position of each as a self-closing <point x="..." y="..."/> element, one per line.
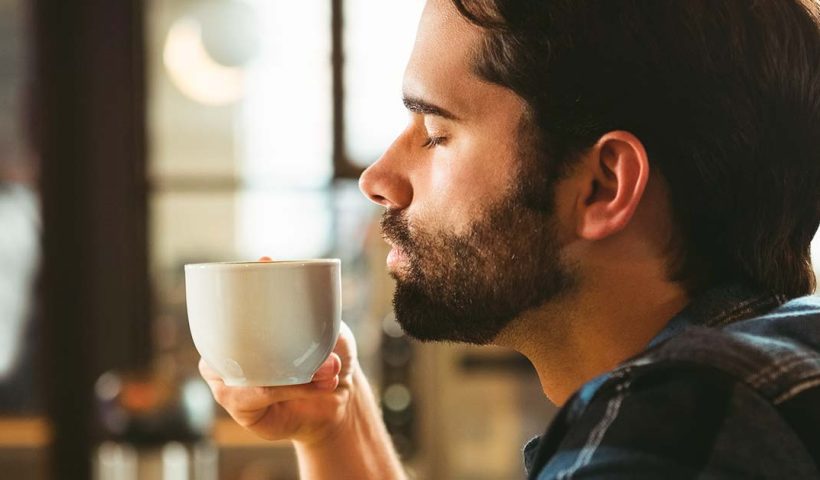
<point x="264" y="323"/>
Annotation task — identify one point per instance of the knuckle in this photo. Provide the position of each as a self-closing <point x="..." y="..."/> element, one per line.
<point x="250" y="420"/>
<point x="221" y="393"/>
<point x="261" y="391"/>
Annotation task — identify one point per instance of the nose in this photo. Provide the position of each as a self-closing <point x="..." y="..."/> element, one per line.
<point x="386" y="182"/>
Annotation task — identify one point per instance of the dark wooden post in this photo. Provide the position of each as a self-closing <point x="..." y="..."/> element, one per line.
<point x="90" y="120"/>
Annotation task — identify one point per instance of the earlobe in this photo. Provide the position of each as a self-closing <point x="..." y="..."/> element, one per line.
<point x="618" y="170"/>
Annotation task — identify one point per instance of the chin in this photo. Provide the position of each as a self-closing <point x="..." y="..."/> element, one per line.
<point x="428" y="319"/>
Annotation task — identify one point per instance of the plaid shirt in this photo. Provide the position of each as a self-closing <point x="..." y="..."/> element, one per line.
<point x="729" y="389"/>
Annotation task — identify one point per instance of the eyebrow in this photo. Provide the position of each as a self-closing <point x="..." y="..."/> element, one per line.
<point x="417" y="105"/>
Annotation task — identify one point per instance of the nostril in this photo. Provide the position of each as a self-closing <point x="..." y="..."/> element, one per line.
<point x="385" y="186"/>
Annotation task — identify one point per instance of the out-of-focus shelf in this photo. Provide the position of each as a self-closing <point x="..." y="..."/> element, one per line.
<point x="228" y="434"/>
<point x="34" y="432"/>
<point x="24" y="432"/>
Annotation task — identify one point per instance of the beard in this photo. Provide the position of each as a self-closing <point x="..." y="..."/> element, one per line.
<point x="468" y="287"/>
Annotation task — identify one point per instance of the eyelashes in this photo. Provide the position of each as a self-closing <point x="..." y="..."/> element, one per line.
<point x="432" y="142"/>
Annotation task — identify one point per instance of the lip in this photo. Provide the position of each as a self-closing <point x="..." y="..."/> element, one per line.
<point x="395" y="257"/>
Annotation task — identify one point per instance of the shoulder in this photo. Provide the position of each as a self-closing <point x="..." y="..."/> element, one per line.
<point x="739" y="399"/>
<point x="677" y="420"/>
<point x="797" y="320"/>
<point x="773" y="353"/>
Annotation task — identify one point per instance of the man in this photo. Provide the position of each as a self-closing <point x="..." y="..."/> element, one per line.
<point x="625" y="193"/>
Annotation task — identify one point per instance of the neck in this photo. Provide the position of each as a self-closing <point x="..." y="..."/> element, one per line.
<point x="591" y="330"/>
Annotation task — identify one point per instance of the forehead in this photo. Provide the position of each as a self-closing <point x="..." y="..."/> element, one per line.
<point x="439" y="69"/>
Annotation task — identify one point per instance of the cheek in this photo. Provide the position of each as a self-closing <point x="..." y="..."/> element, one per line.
<point x="464" y="181"/>
<point x="438" y="200"/>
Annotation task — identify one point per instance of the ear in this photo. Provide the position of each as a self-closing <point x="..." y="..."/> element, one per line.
<point x="616" y="171"/>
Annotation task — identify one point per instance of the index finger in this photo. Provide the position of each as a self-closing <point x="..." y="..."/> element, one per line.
<point x="208" y="373"/>
<point x="249" y="399"/>
<point x="329" y="369"/>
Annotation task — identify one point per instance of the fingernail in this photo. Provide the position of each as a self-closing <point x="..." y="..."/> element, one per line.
<point x="326" y="369"/>
<point x="329" y="384"/>
<point x="319" y="376"/>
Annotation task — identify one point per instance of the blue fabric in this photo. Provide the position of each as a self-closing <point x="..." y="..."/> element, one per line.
<point x="730" y="388"/>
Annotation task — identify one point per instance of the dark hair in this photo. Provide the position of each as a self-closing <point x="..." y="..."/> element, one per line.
<point x="724" y="95"/>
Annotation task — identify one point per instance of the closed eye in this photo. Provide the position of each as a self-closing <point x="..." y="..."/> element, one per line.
<point x="433" y="141"/>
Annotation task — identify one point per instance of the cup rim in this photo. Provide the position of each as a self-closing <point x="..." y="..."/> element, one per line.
<point x="267" y="264"/>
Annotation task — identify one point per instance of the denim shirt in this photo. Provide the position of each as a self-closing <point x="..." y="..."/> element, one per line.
<point x="730" y="388"/>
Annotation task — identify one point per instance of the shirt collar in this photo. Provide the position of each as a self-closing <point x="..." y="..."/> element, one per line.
<point x="718" y="307"/>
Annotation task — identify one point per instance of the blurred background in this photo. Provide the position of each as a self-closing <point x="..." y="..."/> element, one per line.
<point x="136" y="137"/>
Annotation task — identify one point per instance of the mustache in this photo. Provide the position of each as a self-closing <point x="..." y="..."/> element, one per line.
<point x="396" y="228"/>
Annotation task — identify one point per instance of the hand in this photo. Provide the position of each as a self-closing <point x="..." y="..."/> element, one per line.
<point x="306" y="413"/>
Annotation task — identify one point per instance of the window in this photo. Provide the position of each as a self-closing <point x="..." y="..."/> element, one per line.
<point x="23" y="433"/>
<point x="378" y="40"/>
<point x="241" y="124"/>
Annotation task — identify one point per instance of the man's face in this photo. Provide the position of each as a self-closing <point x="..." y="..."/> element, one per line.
<point x="469" y="207"/>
